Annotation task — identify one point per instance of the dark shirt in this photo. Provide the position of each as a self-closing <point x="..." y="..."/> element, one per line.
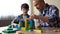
<point x="16" y="20"/>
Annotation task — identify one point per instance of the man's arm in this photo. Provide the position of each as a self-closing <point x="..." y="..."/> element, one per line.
<point x="43" y="18"/>
<point x="51" y="17"/>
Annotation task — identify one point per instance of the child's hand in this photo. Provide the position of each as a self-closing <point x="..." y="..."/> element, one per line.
<point x="13" y="24"/>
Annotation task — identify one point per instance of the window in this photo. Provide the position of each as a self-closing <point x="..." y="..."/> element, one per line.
<point x="12" y="7"/>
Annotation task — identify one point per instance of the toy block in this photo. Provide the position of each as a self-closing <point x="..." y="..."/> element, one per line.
<point x="25" y="23"/>
<point x="10" y="26"/>
<point x="9" y="31"/>
<point x="27" y="28"/>
<point x="39" y="31"/>
<point x="19" y="24"/>
<point x="39" y="28"/>
<point x="23" y="28"/>
<point x="31" y="23"/>
<point x="20" y="32"/>
<point x="28" y="25"/>
<point x="18" y="28"/>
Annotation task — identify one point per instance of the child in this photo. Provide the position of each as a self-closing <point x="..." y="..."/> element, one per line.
<point x="23" y="16"/>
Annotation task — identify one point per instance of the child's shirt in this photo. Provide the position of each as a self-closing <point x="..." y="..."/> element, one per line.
<point x="16" y="20"/>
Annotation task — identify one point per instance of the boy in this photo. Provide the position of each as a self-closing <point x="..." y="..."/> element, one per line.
<point x="23" y="16"/>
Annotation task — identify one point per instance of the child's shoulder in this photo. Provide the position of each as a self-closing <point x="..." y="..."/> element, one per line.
<point x="20" y="15"/>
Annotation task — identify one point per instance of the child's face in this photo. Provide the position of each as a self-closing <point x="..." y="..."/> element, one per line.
<point x="24" y="10"/>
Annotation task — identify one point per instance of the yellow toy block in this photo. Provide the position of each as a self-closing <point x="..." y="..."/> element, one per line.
<point x="23" y="28"/>
<point x="25" y="23"/>
<point x="19" y="24"/>
<point x="39" y="31"/>
<point x="19" y="32"/>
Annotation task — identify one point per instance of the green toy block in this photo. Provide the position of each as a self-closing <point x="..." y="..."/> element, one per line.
<point x="9" y="26"/>
<point x="9" y="31"/>
<point x="33" y="25"/>
<point x="39" y="28"/>
<point x="27" y="28"/>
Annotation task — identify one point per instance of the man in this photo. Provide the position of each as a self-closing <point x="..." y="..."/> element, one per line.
<point x="48" y="13"/>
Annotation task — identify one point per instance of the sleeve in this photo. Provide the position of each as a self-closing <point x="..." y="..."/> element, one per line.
<point x="15" y="20"/>
<point x="53" y="14"/>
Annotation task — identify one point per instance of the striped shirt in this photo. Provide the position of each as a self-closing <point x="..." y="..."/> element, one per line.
<point x="51" y="12"/>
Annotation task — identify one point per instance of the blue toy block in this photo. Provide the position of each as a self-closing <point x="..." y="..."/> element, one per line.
<point x="31" y="22"/>
<point x="19" y="28"/>
<point x="22" y="24"/>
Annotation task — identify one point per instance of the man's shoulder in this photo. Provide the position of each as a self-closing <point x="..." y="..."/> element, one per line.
<point x="52" y="6"/>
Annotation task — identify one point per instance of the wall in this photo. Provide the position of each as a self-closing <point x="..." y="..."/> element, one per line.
<point x="51" y="2"/>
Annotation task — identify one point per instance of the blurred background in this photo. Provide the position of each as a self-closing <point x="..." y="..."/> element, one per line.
<point x="9" y="9"/>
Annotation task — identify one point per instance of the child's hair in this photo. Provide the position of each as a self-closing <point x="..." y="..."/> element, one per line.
<point x="25" y="5"/>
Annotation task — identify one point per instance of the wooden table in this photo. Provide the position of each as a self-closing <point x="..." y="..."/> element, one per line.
<point x="46" y="30"/>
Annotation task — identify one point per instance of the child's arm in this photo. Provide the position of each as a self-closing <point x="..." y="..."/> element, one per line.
<point x="15" y="21"/>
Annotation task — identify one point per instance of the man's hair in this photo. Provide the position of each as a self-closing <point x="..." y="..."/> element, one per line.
<point x="25" y="5"/>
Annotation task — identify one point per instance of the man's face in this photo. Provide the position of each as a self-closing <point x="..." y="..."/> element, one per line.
<point x="24" y="10"/>
<point x="38" y="4"/>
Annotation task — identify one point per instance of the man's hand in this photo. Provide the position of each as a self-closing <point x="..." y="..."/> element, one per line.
<point x="33" y="16"/>
<point x="38" y="24"/>
<point x="43" y="18"/>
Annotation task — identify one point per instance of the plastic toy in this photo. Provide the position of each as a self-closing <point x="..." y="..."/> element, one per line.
<point x="25" y="25"/>
<point x="38" y="31"/>
<point x="9" y="31"/>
